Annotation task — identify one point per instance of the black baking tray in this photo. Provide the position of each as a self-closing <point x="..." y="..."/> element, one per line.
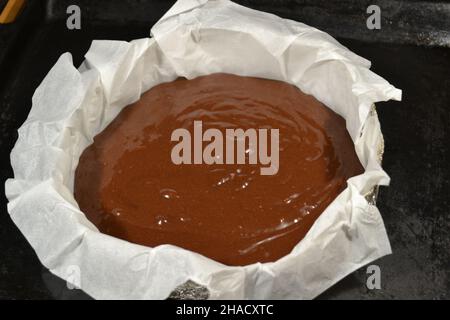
<point x="411" y="50"/>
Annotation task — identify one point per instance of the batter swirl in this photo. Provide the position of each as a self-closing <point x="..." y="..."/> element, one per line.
<point x="129" y="188"/>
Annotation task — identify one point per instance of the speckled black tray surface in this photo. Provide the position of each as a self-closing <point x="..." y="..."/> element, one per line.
<point x="411" y="51"/>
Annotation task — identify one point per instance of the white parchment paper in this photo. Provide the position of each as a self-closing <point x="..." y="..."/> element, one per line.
<point x="194" y="38"/>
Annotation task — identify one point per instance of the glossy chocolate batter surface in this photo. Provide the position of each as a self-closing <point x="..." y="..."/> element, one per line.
<point x="128" y="186"/>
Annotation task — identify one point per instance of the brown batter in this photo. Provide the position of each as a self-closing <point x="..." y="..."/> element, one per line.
<point x="129" y="188"/>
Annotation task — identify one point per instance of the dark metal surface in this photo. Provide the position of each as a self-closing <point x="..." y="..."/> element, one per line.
<point x="409" y="22"/>
<point x="415" y="207"/>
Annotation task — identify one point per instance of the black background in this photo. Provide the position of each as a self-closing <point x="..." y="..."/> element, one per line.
<point x="411" y="51"/>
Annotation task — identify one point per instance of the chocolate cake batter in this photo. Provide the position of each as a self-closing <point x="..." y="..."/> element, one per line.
<point x="129" y="188"/>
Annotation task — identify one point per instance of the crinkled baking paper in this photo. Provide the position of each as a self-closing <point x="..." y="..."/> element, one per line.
<point x="194" y="38"/>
